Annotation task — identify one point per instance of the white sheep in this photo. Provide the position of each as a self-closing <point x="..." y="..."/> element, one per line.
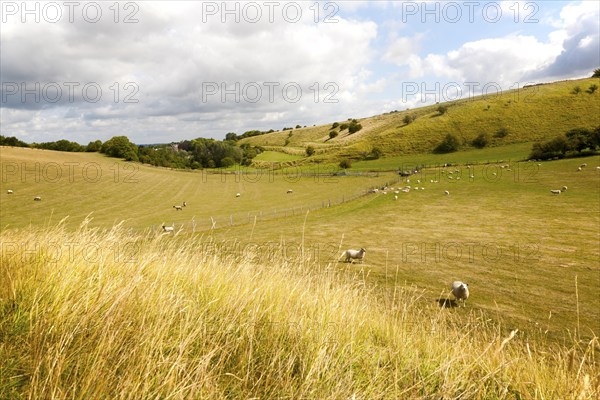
<point x="290" y="191"/>
<point x="37" y="198"/>
<point x="354" y="254"/>
<point x="9" y="191"/>
<point x="557" y="191"/>
<point x="178" y="208"/>
<point x="237" y="195"/>
<point x="396" y="197"/>
<point x="578" y="169"/>
<point x="168" y="228"/>
<point x="564" y="189"/>
<point x="460" y="290"/>
<point x="184" y="204"/>
<point x="583" y="165"/>
<point x="447" y="193"/>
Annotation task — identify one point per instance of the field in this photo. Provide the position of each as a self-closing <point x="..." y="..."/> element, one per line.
<point x="248" y="297"/>
<point x="143" y="197"/>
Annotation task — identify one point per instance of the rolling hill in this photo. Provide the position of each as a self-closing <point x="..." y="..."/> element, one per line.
<point x="524" y="115"/>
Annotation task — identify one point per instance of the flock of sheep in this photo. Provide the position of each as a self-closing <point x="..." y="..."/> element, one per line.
<point x="459" y="290"/>
<point x="564" y="188"/>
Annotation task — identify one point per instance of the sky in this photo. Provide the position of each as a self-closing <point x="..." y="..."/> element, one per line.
<point x="160" y="72"/>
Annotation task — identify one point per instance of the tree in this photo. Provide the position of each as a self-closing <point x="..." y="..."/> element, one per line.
<point x="332" y="134"/>
<point x="596" y="73"/>
<point x="448" y="145"/>
<point x="343" y="126"/>
<point x="408" y="119"/>
<point x="12" y="141"/>
<point x="442" y="110"/>
<point x="298" y="127"/>
<point x="231" y="136"/>
<point x="345" y="164"/>
<point x="592" y="89"/>
<point x="354" y="127"/>
<point x="576" y="90"/>
<point x="227" y="162"/>
<point x="335" y="125"/>
<point x="502" y="132"/>
<point x="94" y="146"/>
<point x="556" y="147"/>
<point x="310" y="151"/>
<point x="376" y="153"/>
<point x="578" y="138"/>
<point x="480" y="141"/>
<point x="120" y="147"/>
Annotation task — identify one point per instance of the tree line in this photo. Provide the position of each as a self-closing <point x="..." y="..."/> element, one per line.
<point x="187" y="154"/>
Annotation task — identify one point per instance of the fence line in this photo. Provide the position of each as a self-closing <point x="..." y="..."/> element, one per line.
<point x="248" y="217"/>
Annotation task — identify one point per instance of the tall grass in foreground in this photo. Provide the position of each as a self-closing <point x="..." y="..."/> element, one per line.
<point x="97" y="314"/>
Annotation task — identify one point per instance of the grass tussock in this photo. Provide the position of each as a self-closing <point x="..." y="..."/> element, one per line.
<point x="96" y="314"/>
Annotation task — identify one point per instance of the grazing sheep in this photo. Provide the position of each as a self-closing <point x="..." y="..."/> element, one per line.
<point x="168" y="228"/>
<point x="354" y="255"/>
<point x="9" y="191"/>
<point x="395" y="197"/>
<point x="583" y="165"/>
<point x="564" y="189"/>
<point x="290" y="191"/>
<point x="237" y="195"/>
<point x="178" y="208"/>
<point x="460" y="291"/>
<point x="555" y="191"/>
<point x="37" y="198"/>
<point x="184" y="204"/>
<point x="578" y="169"/>
<point x="447" y="193"/>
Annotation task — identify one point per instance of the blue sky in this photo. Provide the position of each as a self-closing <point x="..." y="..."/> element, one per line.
<point x="167" y="71"/>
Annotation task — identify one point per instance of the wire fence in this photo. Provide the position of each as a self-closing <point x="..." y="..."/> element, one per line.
<point x="250" y="217"/>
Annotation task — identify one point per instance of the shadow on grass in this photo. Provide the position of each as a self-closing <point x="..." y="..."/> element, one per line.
<point x="447" y="303"/>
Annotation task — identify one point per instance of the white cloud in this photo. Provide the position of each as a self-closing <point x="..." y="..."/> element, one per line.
<point x="171" y="55"/>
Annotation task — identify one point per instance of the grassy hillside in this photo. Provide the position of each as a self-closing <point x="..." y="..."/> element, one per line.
<point x="153" y="317"/>
<point x="528" y="115"/>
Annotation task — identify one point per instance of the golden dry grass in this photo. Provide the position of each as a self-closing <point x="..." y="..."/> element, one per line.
<point x="94" y="314"/>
